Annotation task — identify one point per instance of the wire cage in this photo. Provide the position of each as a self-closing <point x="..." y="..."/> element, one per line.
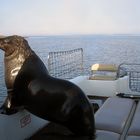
<point x="133" y="71"/>
<point x="134" y="81"/>
<point x="66" y="64"/>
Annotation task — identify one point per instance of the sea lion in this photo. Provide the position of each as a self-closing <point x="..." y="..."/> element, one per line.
<point x="31" y="86"/>
<point x="13" y="60"/>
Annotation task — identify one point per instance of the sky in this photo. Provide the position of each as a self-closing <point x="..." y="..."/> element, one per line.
<point x="67" y="17"/>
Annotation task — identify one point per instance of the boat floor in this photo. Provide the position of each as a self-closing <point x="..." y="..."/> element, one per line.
<point x="54" y="131"/>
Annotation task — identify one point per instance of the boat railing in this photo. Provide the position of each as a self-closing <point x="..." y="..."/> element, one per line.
<point x="133" y="72"/>
<point x="66" y="64"/>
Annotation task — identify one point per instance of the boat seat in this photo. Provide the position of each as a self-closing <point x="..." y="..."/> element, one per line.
<point x="112" y="120"/>
<point x="134" y="130"/>
<point x="104" y="72"/>
<point x="106" y="135"/>
<point x="108" y="72"/>
<point x="104" y="67"/>
<point x="102" y="77"/>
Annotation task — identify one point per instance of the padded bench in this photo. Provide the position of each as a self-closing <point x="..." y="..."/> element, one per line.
<point x="113" y="119"/>
<point x="134" y="130"/>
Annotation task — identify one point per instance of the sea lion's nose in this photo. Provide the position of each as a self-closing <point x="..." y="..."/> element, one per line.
<point x="3" y="41"/>
<point x="0" y="43"/>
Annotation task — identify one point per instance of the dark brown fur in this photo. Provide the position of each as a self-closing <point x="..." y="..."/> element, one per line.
<point x="31" y="86"/>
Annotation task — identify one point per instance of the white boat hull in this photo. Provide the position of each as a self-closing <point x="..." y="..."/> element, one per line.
<point x="106" y="88"/>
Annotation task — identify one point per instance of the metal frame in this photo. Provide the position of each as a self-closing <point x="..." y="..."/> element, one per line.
<point x="66" y="64"/>
<point x="133" y="72"/>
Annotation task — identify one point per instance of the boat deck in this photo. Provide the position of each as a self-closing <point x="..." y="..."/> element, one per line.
<point x="53" y="131"/>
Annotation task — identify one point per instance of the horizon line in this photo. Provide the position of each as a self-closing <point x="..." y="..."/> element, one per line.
<point x="76" y="34"/>
<point x="39" y="35"/>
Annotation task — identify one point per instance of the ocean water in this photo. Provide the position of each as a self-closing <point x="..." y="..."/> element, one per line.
<point x="114" y="49"/>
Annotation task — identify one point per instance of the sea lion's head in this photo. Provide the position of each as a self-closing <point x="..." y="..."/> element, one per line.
<point x="17" y="50"/>
<point x="12" y="45"/>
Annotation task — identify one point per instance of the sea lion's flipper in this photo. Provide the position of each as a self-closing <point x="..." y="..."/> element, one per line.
<point x="7" y="108"/>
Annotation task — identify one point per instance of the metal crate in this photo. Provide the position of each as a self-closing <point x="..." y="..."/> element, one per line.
<point x="133" y="72"/>
<point x="66" y="64"/>
<point x="134" y="81"/>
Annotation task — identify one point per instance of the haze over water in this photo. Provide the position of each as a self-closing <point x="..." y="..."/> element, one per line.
<point x="114" y="49"/>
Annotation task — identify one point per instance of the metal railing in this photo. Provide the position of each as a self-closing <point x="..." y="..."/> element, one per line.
<point x="66" y="64"/>
<point x="133" y="72"/>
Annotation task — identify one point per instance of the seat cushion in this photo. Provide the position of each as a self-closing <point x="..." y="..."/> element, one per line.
<point x="135" y="125"/>
<point x="113" y="114"/>
<point x="133" y="138"/>
<point x="106" y="135"/>
<point x="134" y="130"/>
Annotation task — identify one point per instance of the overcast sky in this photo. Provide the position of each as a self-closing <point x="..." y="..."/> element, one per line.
<point x="53" y="17"/>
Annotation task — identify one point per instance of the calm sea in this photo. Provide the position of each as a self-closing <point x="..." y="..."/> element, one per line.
<point x="97" y="49"/>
